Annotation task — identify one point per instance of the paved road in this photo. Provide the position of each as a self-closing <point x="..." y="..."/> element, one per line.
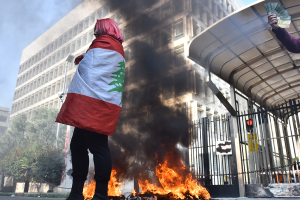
<point x="36" y="198"/>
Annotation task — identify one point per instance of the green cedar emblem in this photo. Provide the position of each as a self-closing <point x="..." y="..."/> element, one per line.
<point x="119" y="82"/>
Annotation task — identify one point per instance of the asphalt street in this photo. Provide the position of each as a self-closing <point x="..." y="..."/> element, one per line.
<point x="36" y="198"/>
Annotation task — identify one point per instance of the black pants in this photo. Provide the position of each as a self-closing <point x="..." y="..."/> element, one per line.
<point x="97" y="144"/>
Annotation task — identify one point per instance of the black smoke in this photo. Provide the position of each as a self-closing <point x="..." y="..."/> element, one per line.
<point x="147" y="129"/>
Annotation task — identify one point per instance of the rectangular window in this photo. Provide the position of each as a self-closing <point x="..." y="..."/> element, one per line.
<point x="91" y="36"/>
<point x="50" y="47"/>
<point x="75" y="30"/>
<point x="78" y="45"/>
<point x="72" y="47"/>
<point x="92" y="19"/>
<point x="86" y="23"/>
<point x="99" y="13"/>
<point x="70" y="34"/>
<point x="179" y="55"/>
<point x="55" y="73"/>
<point x="48" y="63"/>
<point x="47" y="50"/>
<point x="178" y="29"/>
<point x="53" y="59"/>
<point x="55" y="45"/>
<point x="105" y="10"/>
<point x="84" y="40"/>
<point x="178" y="5"/>
<point x="67" y="50"/>
<point x="57" y="57"/>
<point x="62" y="53"/>
<point x="80" y="27"/>
<point x="65" y="38"/>
<point x="166" y="10"/>
<point x="166" y="34"/>
<point x="59" y="41"/>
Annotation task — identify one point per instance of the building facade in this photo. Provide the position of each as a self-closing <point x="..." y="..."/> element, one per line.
<point x="41" y="71"/>
<point x="4" y="119"/>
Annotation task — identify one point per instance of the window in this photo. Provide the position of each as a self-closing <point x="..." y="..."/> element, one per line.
<point x="80" y="27"/>
<point x="72" y="47"/>
<point x="59" y="41"/>
<point x="53" y="59"/>
<point x="105" y="10"/>
<point x="84" y="40"/>
<point x="166" y="34"/>
<point x="62" y="53"/>
<point x="55" y="45"/>
<point x="178" y="29"/>
<point x="48" y="63"/>
<point x="179" y="55"/>
<point x="60" y="70"/>
<point x="47" y="50"/>
<point x="69" y="34"/>
<point x="75" y="30"/>
<point x="53" y="90"/>
<point x="92" y="18"/>
<point x="166" y="10"/>
<point x="57" y="57"/>
<point x="86" y="23"/>
<point x="91" y="36"/>
<point x="99" y="13"/>
<point x="55" y="73"/>
<point x="178" y="5"/>
<point x="65" y="38"/>
<point x="67" y="50"/>
<point x="78" y="45"/>
<point x="196" y="29"/>
<point x="50" y="47"/>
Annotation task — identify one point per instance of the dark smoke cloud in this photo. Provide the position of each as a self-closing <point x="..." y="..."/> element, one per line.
<point x="148" y="129"/>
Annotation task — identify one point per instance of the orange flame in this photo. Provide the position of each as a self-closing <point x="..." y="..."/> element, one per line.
<point x="173" y="181"/>
<point x="113" y="187"/>
<point x="133" y="192"/>
<point x="89" y="190"/>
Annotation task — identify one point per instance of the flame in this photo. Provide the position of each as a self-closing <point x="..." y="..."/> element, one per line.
<point x="113" y="187"/>
<point x="89" y="190"/>
<point x="175" y="180"/>
<point x="133" y="192"/>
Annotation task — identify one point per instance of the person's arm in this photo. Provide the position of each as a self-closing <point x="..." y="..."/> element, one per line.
<point x="291" y="43"/>
<point x="78" y="59"/>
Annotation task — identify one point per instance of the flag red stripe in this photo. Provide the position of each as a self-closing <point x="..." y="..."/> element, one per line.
<point x="89" y="113"/>
<point x="107" y="42"/>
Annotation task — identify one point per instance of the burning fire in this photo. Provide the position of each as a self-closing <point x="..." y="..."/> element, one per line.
<point x="113" y="187"/>
<point x="174" y="182"/>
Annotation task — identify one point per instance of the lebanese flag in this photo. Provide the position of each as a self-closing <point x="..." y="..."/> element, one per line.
<point x="94" y="99"/>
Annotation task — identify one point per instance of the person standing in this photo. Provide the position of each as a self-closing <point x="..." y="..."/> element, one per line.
<point x="93" y="106"/>
<point x="291" y="43"/>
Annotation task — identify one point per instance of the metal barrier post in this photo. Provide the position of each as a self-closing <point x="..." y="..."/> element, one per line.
<point x="236" y="153"/>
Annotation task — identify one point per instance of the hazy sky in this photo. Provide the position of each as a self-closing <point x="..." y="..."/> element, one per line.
<point x="21" y="22"/>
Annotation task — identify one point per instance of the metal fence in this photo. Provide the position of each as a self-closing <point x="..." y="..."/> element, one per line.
<point x="207" y="166"/>
<point x="270" y="150"/>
